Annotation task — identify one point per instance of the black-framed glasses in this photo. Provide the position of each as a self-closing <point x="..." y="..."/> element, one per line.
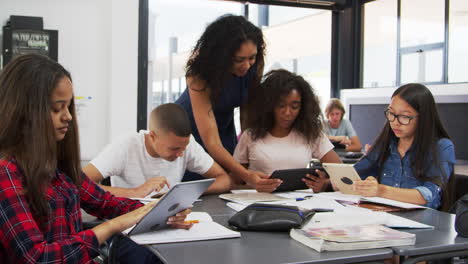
<point x="402" y="119"/>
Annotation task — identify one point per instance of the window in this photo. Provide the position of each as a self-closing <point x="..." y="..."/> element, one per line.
<point x="174" y="28"/>
<point x="422" y="22"/>
<point x="296" y="43"/>
<point x="422" y="41"/>
<point x="380" y="44"/>
<point x="458" y="37"/>
<point x="307" y="50"/>
<point x="420" y="50"/>
<point x="283" y="14"/>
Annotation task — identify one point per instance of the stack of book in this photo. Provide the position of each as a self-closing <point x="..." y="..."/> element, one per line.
<point x="336" y="238"/>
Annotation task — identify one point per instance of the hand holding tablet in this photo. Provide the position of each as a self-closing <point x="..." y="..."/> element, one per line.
<point x="292" y="179"/>
<point x="180" y="197"/>
<point x="342" y="176"/>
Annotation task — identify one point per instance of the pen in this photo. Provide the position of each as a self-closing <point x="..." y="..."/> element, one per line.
<point x="303" y="198"/>
<point x="323" y="210"/>
<point x="191" y="222"/>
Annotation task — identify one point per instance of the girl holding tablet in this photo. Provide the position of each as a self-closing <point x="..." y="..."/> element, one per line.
<point x="413" y="157"/>
<point x="41" y="184"/>
<point x="287" y="132"/>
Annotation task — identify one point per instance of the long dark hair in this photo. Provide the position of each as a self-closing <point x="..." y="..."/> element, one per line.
<point x="26" y="128"/>
<point x="278" y="84"/>
<point x="212" y="57"/>
<point x="428" y="132"/>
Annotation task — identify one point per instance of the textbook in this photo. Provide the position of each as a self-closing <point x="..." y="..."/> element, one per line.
<point x="205" y="229"/>
<point x="373" y="203"/>
<point x="337" y="238"/>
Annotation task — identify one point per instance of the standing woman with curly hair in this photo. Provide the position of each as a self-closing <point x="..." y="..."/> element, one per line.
<point x="288" y="131"/>
<point x="225" y="67"/>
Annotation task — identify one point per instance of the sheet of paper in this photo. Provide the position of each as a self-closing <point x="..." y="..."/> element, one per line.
<point x="240" y="206"/>
<point x="317" y="203"/>
<point x="236" y="206"/>
<point x="381" y="200"/>
<point x="339" y="196"/>
<point x="200" y="216"/>
<point x="344" y="218"/>
<point x="357" y="198"/>
<point x="306" y="191"/>
<point x="206" y="229"/>
<point x="292" y="195"/>
<point x="395" y="221"/>
<point x="250" y="197"/>
<point x="244" y="191"/>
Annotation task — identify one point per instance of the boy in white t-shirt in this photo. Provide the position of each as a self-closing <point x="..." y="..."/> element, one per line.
<point x="149" y="160"/>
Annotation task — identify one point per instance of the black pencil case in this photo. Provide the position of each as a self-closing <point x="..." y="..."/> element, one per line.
<point x="270" y="217"/>
<point x="461" y="218"/>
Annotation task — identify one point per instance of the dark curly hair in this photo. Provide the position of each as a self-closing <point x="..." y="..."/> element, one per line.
<point x="213" y="55"/>
<point x="277" y="85"/>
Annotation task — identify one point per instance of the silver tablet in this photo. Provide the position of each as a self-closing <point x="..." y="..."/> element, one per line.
<point x="180" y="197"/>
<point x="342" y="176"/>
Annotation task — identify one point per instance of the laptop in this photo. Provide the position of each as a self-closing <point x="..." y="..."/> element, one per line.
<point x="180" y="197"/>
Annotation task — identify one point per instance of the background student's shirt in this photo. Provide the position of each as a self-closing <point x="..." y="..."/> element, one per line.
<point x="398" y="172"/>
<point x="345" y="129"/>
<point x="131" y="164"/>
<point x="272" y="153"/>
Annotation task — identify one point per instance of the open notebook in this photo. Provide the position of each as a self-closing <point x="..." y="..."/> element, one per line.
<point x="206" y="229"/>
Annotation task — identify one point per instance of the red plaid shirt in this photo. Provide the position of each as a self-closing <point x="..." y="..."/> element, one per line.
<point x="63" y="240"/>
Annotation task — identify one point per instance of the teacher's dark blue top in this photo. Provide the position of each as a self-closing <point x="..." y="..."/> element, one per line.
<point x="232" y="95"/>
<point x="398" y="172"/>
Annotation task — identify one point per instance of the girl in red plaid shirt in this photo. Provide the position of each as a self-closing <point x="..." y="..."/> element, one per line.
<point x="41" y="184"/>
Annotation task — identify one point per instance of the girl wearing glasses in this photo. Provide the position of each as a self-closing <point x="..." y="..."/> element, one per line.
<point x="413" y="157"/>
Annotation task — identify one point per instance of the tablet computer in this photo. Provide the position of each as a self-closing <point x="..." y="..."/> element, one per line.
<point x="180" y="197"/>
<point x="292" y="179"/>
<point x="342" y="176"/>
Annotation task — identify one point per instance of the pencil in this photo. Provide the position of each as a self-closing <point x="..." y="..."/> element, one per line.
<point x="191" y="222"/>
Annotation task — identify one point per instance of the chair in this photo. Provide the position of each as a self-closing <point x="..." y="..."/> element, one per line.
<point x="108" y="250"/>
<point x="458" y="188"/>
<point x="461" y="185"/>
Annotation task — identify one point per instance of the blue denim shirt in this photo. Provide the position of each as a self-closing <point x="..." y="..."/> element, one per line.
<point x="397" y="171"/>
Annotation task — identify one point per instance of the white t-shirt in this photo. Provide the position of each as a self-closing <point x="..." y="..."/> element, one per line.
<point x="271" y="153"/>
<point x="130" y="163"/>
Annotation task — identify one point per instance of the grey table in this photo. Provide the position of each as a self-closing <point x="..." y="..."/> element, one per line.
<point x="255" y="247"/>
<point x="441" y="242"/>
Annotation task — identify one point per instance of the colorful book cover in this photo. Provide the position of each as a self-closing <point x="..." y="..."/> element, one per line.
<point x="356" y="233"/>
